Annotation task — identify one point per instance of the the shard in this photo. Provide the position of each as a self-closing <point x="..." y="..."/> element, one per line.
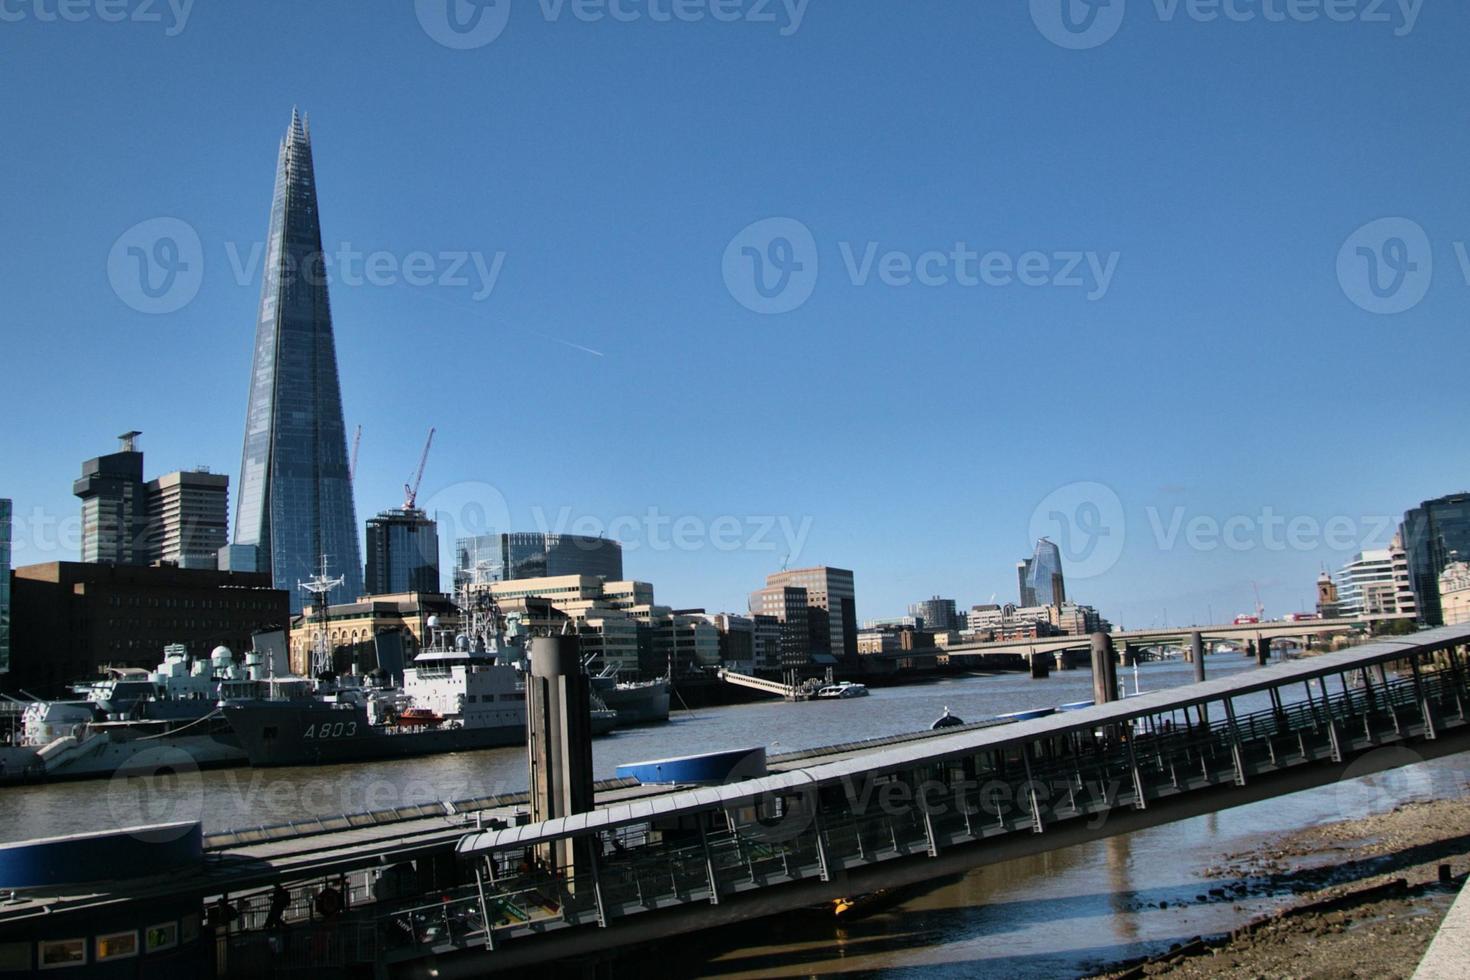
<point x="295" y="512"/>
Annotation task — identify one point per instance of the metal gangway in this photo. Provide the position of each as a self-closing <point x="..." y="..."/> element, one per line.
<point x="719" y="854"/>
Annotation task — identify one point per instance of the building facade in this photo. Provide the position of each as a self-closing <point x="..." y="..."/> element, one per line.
<point x="1454" y="593"/>
<point x="353" y="629"/>
<point x="71" y="619"/>
<point x="830" y="590"/>
<point x="114" y="506"/>
<point x="402" y="553"/>
<point x="529" y="555"/>
<point x="1433" y="534"/>
<point x="936" y="613"/>
<point x="787" y="605"/>
<point x="1041" y="580"/>
<point x="188" y="518"/>
<point x="5" y="509"/>
<point x="295" y="512"/>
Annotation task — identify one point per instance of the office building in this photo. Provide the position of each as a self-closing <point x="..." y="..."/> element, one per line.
<point x="295" y="513"/>
<point x="787" y="605"/>
<point x="1433" y="533"/>
<point x="402" y="553"/>
<point x="188" y="518"/>
<point x="114" y="506"/>
<point x="71" y="619"/>
<point x="935" y="613"/>
<point x="5" y="509"/>
<point x="1374" y="583"/>
<point x="1041" y="578"/>
<point x="354" y="630"/>
<point x="831" y="591"/>
<point x="737" y="641"/>
<point x="528" y="555"/>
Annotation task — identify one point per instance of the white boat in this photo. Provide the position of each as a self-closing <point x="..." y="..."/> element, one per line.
<point x="843" y="691"/>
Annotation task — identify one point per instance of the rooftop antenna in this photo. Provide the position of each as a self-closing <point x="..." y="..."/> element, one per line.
<point x="411" y="490"/>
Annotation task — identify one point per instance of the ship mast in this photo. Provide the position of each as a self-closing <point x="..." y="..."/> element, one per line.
<point x="319" y="587"/>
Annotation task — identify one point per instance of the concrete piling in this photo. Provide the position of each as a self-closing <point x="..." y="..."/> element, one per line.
<point x="1197" y="655"/>
<point x="1104" y="669"/>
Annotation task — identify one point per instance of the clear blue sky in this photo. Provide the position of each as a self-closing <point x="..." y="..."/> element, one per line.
<point x="1225" y="372"/>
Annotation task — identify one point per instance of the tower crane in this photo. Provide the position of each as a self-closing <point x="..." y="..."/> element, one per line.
<point x="411" y="490"/>
<point x="356" y="445"/>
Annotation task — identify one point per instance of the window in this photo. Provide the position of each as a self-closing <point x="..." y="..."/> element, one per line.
<point x="117" y="945"/>
<point x="163" y="936"/>
<point x="62" y="953"/>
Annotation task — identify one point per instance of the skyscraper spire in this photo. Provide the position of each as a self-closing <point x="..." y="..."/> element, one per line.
<point x="295" y="494"/>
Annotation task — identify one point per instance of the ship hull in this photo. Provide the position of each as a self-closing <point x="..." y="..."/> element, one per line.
<point x="642" y="704"/>
<point x="309" y="734"/>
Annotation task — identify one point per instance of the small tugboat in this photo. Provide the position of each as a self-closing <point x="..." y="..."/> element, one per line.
<point x="843" y="691"/>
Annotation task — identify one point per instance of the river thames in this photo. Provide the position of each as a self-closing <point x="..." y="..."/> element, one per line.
<point x="1057" y="914"/>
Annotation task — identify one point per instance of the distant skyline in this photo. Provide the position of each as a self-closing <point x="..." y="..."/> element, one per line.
<point x="538" y="243"/>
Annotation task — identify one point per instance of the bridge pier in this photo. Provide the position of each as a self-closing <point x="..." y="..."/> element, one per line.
<point x="1040" y="668"/>
<point x="1263" y="650"/>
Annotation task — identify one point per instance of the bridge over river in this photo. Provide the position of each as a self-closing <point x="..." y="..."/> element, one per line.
<point x="460" y="891"/>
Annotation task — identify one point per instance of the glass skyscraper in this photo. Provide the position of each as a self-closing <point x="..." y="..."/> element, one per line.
<point x="511" y="557"/>
<point x="1434" y="534"/>
<point x="402" y="553"/>
<point x="295" y="509"/>
<point x="1041" y="581"/>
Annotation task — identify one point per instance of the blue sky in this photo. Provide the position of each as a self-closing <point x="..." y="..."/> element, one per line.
<point x="1228" y="374"/>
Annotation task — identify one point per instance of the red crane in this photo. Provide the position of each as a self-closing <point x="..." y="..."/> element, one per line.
<point x="411" y="490"/>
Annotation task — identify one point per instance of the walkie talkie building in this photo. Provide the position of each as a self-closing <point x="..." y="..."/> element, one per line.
<point x="295" y="508"/>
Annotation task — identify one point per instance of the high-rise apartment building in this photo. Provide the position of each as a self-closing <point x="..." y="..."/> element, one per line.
<point x="5" y="509"/>
<point x="295" y="512"/>
<point x="188" y="518"/>
<point x="830" y="590"/>
<point x="1434" y="534"/>
<point x="114" y="506"/>
<point x="402" y="553"/>
<point x="525" y="555"/>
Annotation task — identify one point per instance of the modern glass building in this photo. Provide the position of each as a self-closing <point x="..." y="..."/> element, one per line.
<point x="4" y="586"/>
<point x="509" y="557"/>
<point x="295" y="511"/>
<point x="1434" y="533"/>
<point x="402" y="552"/>
<point x="1042" y="582"/>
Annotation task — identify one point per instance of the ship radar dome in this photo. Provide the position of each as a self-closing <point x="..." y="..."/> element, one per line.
<point x="432" y="622"/>
<point x="222" y="653"/>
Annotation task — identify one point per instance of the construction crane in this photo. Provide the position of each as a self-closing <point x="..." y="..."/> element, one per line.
<point x="356" y="445"/>
<point x="411" y="490"/>
<point x="1260" y="609"/>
